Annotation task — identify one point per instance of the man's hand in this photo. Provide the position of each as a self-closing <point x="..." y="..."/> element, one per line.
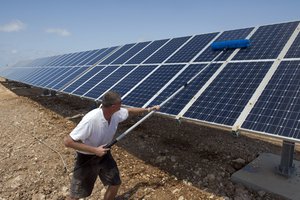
<point x="101" y="151"/>
<point x="156" y="108"/>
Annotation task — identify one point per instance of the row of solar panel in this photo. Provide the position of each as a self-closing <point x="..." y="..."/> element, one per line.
<point x="185" y="49"/>
<point x="221" y="102"/>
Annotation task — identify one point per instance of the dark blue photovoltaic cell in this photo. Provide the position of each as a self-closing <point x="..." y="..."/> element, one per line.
<point x="99" y="56"/>
<point x="277" y="110"/>
<point x="149" y="87"/>
<point x="75" y="60"/>
<point x="267" y="42"/>
<point x="210" y="54"/>
<point x="175" y="105"/>
<point x="30" y="79"/>
<point x="94" y="80"/>
<point x="51" y="59"/>
<point x="133" y="78"/>
<point x="225" y="98"/>
<point x="167" y="50"/>
<point x="22" y="75"/>
<point x="294" y="51"/>
<point x="141" y="56"/>
<point x="53" y="82"/>
<point x="192" y="48"/>
<point x="60" y="60"/>
<point x="67" y="62"/>
<point x="83" y="79"/>
<point x="130" y="53"/>
<point x="55" y="77"/>
<point x="16" y="74"/>
<point x="116" y="54"/>
<point x="109" y="82"/>
<point x="73" y="74"/>
<point x="181" y="80"/>
<point x="45" y="76"/>
<point x="84" y="58"/>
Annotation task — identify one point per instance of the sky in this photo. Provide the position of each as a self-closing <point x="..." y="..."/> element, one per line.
<point x="32" y="29"/>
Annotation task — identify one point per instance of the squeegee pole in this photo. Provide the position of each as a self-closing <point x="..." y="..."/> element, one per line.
<point x="163" y="103"/>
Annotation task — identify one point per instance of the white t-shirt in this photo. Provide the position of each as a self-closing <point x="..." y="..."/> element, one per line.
<point x="94" y="129"/>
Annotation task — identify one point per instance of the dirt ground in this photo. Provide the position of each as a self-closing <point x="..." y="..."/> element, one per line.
<point x="161" y="159"/>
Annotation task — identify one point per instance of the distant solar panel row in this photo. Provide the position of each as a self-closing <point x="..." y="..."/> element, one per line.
<point x="147" y="73"/>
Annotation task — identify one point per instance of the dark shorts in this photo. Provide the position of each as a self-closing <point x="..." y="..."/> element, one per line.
<point x="86" y="170"/>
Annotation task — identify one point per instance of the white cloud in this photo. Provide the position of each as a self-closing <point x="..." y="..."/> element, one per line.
<point x="14" y="51"/>
<point x="13" y="26"/>
<point x="58" y="31"/>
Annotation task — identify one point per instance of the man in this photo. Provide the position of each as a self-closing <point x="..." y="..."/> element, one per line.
<point x="89" y="137"/>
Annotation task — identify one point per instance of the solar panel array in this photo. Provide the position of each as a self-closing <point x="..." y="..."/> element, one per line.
<point x="256" y="89"/>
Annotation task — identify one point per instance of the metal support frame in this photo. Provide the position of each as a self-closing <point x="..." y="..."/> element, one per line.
<point x="287" y="167"/>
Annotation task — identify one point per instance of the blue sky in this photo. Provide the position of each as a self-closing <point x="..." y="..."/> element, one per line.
<point x="36" y="28"/>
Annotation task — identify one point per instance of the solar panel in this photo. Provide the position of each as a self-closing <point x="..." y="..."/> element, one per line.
<point x="55" y="77"/>
<point x="277" y="111"/>
<point x="228" y="94"/>
<point x="267" y="42"/>
<point x="60" y="75"/>
<point x="110" y="80"/>
<point x="294" y="51"/>
<point x="149" y="50"/>
<point x="100" y="55"/>
<point x="175" y="105"/>
<point x="75" y="72"/>
<point x="44" y="75"/>
<point x="30" y="77"/>
<point x="139" y="96"/>
<point x="84" y="57"/>
<point x="209" y="54"/>
<point x="133" y="79"/>
<point x="192" y="48"/>
<point x="130" y="53"/>
<point x="94" y="80"/>
<point x="167" y="50"/>
<point x="116" y="54"/>
<point x="83" y="79"/>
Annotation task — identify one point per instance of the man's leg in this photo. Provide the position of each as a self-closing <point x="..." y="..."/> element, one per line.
<point x="111" y="192"/>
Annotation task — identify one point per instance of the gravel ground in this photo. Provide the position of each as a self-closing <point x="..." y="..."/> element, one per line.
<point x="161" y="159"/>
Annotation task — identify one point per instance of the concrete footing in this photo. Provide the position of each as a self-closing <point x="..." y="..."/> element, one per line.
<point x="261" y="174"/>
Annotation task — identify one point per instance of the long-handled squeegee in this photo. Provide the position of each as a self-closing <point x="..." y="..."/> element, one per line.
<point x="222" y="45"/>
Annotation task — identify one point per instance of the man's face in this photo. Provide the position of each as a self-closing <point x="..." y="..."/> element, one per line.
<point x="116" y="107"/>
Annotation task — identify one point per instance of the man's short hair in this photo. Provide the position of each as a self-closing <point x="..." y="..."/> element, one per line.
<point x="110" y="98"/>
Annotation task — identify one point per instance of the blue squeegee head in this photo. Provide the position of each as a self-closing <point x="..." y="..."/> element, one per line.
<point x="230" y="44"/>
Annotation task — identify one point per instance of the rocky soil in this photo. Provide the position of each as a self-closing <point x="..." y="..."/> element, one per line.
<point x="160" y="160"/>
